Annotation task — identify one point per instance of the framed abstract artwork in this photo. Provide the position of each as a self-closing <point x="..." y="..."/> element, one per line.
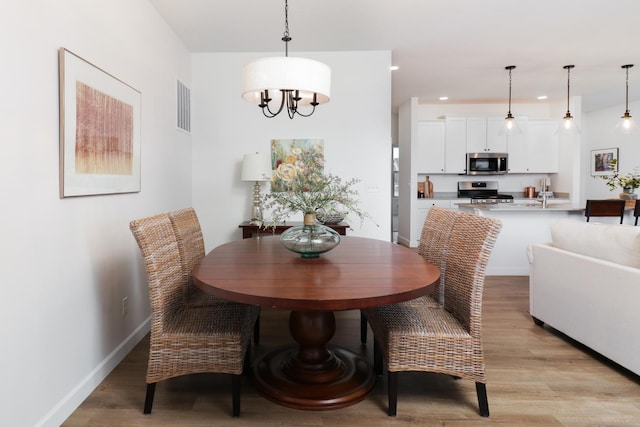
<point x="99" y="130"/>
<point x="600" y="160"/>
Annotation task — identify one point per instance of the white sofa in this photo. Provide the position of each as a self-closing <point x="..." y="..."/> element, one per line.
<point x="586" y="284"/>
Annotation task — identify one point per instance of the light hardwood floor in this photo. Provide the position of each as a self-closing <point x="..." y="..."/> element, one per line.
<point x="536" y="377"/>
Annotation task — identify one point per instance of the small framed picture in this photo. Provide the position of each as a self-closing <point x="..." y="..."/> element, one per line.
<point x="601" y="161"/>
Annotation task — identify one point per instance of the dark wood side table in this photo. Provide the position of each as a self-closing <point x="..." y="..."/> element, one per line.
<point x="249" y="230"/>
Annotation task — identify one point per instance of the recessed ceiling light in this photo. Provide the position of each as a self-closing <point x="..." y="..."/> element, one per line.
<point x="542" y="97"/>
<point x="394" y="67"/>
<point x="443" y="98"/>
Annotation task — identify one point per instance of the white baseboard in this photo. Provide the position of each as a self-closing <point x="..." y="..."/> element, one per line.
<point x="60" y="412"/>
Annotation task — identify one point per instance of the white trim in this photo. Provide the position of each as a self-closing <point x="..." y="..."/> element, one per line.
<point x="61" y="411"/>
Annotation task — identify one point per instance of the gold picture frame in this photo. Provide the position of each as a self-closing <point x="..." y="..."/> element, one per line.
<point x="99" y="130"/>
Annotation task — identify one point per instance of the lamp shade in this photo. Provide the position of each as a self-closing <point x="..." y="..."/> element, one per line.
<point x="256" y="167"/>
<point x="286" y="73"/>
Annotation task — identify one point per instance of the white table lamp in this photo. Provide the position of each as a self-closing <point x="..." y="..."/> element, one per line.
<point x="256" y="167"/>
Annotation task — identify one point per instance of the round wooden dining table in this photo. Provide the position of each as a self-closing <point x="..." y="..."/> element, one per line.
<point x="358" y="273"/>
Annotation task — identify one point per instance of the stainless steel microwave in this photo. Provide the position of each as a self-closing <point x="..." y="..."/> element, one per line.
<point x="487" y="163"/>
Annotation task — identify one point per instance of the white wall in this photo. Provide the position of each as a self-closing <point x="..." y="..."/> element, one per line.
<point x="355" y="126"/>
<point x="67" y="263"/>
<point x="600" y="133"/>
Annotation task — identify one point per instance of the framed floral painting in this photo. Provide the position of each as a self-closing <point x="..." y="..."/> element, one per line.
<point x="99" y="130"/>
<point x="294" y="157"/>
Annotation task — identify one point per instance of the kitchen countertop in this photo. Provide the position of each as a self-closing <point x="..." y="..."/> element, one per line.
<point x="522" y="206"/>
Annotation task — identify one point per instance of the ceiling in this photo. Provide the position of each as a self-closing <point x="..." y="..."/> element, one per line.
<point x="454" y="48"/>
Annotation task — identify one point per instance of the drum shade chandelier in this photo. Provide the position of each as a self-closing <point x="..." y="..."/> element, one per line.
<point x="568" y="125"/>
<point x="278" y="82"/>
<point x="510" y="125"/>
<point x="626" y="125"/>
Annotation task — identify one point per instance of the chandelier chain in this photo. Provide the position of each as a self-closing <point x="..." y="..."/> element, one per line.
<point x="286" y="38"/>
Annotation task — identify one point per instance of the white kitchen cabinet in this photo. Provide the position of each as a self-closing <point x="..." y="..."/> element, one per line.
<point x="537" y="150"/>
<point x="496" y="142"/>
<point x="429" y="148"/>
<point x="483" y="135"/>
<point x="455" y="145"/>
<point x="543" y="146"/>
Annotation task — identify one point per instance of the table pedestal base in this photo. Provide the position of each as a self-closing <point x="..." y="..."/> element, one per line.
<point x="313" y="376"/>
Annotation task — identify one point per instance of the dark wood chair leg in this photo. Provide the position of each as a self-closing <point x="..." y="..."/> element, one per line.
<point x="377" y="357"/>
<point x="256" y="331"/>
<point x="483" y="403"/>
<point x="393" y="393"/>
<point x="363" y="328"/>
<point x="148" y="400"/>
<point x="235" y="394"/>
<point x="537" y="321"/>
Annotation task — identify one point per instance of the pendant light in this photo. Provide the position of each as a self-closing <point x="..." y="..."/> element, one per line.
<point x="510" y="126"/>
<point x="626" y="125"/>
<point x="568" y="126"/>
<point x="293" y="82"/>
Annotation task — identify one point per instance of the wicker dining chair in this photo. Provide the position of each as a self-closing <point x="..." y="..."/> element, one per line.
<point x="433" y="245"/>
<point x="636" y="211"/>
<point x="191" y="247"/>
<point x="187" y="340"/>
<point x="446" y="339"/>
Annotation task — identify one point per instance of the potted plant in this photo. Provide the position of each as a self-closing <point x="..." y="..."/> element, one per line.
<point x="311" y="192"/>
<point x="628" y="182"/>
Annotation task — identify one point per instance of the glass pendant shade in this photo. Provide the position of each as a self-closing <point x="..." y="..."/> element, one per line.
<point x="510" y="126"/>
<point x="568" y="125"/>
<point x="626" y="125"/>
<point x="276" y="74"/>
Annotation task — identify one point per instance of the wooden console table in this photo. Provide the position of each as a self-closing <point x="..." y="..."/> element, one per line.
<point x="249" y="230"/>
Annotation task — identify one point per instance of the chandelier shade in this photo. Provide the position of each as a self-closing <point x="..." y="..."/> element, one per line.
<point x="290" y="83"/>
<point x="311" y="79"/>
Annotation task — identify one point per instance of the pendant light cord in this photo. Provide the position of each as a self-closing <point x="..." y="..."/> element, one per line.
<point x="626" y="102"/>
<point x="510" y="68"/>
<point x="568" y="85"/>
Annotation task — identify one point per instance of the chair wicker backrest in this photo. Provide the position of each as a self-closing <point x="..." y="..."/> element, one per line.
<point x="434" y="243"/>
<point x="636" y="211"/>
<point x="472" y="240"/>
<point x="159" y="248"/>
<point x="190" y="244"/>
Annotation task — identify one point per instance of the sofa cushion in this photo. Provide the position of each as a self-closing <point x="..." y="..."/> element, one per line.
<point x="615" y="243"/>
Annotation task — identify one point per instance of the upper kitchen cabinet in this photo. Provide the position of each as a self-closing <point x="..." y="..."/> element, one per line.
<point x="537" y="150"/>
<point x="455" y="144"/>
<point x="429" y="150"/>
<point x="483" y="135"/>
<point x="439" y="147"/>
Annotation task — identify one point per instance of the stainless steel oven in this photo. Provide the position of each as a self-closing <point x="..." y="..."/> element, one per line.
<point x="487" y="163"/>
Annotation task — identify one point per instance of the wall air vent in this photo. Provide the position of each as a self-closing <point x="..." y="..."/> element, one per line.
<point x="183" y="118"/>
